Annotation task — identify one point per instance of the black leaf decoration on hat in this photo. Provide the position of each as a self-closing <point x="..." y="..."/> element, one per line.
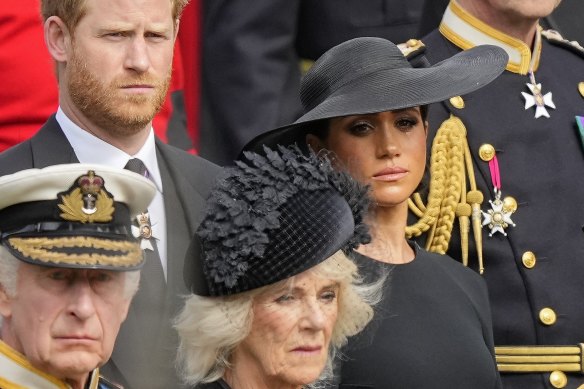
<point x="243" y="208"/>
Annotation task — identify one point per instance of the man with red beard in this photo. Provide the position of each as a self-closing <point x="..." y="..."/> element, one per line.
<point x="113" y="60"/>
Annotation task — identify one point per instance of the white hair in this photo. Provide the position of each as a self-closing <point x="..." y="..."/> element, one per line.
<point x="210" y="328"/>
<point x="9" y="271"/>
<point x="131" y="283"/>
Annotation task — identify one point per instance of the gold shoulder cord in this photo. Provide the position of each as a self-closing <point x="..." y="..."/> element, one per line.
<point x="450" y="165"/>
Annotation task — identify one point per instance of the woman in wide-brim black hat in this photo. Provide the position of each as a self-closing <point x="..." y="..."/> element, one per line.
<point x="365" y="103"/>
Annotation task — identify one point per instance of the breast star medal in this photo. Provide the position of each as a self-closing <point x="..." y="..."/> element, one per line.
<point x="498" y="218"/>
<point x="538" y="99"/>
<point x="143" y="231"/>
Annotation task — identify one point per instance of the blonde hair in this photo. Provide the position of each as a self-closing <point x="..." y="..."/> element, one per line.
<point x="210" y="328"/>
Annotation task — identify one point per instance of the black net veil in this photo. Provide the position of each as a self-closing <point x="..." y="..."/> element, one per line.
<point x="275" y="215"/>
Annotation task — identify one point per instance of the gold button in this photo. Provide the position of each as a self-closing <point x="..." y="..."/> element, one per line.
<point x="528" y="259"/>
<point x="412" y="42"/>
<point x="581" y="88"/>
<point x="547" y="316"/>
<point x="457" y="102"/>
<point x="486" y="152"/>
<point x="558" y="379"/>
<point x="509" y="204"/>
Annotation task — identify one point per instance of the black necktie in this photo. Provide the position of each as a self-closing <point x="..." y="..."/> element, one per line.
<point x="141" y="335"/>
<point x="152" y="272"/>
<point x="137" y="166"/>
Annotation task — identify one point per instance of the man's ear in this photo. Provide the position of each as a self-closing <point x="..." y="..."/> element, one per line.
<point x="176" y="26"/>
<point x="5" y="303"/>
<point x="57" y="39"/>
<point x="314" y="142"/>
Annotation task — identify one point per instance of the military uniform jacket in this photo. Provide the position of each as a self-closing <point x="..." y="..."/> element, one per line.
<point x="535" y="273"/>
<point x="146" y="345"/>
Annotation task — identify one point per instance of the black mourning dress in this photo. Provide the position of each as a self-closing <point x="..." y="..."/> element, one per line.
<point x="432" y="329"/>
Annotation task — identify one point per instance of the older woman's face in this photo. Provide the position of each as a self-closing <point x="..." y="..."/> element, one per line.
<point x="291" y="331"/>
<point x="386" y="150"/>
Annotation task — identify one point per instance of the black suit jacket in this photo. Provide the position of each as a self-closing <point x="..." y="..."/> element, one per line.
<point x="145" y="348"/>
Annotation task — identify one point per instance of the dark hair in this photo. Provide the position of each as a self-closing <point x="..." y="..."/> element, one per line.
<point x="320" y="128"/>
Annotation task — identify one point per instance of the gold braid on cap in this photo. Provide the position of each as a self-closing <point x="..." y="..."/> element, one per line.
<point x="450" y="165"/>
<point x="47" y="249"/>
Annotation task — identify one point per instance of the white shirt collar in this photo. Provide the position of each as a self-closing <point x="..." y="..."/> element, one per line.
<point x="90" y="149"/>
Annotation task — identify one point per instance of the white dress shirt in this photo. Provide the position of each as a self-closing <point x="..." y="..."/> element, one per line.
<point x="90" y="149"/>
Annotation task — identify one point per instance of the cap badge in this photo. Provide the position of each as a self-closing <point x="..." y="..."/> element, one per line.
<point x="87" y="201"/>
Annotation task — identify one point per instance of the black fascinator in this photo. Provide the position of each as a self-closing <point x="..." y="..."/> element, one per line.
<point x="272" y="217"/>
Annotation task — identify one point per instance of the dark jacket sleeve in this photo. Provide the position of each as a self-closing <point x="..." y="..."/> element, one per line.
<point x="475" y="288"/>
<point x="250" y="73"/>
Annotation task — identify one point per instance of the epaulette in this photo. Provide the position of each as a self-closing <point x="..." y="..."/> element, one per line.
<point x="414" y="50"/>
<point x="557" y="39"/>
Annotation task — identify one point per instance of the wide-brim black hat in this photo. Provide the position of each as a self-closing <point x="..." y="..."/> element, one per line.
<point x="74" y="216"/>
<point x="370" y="75"/>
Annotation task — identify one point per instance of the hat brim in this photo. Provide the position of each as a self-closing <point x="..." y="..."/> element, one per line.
<point x="315" y="225"/>
<point x="392" y="89"/>
<point x="76" y="251"/>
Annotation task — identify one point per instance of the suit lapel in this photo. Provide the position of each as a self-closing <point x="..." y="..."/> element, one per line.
<point x="178" y="233"/>
<point x="189" y="197"/>
<point x="149" y="329"/>
<point x="50" y="146"/>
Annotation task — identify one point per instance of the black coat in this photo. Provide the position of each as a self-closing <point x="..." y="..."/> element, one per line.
<point x="146" y="345"/>
<point x="431" y="331"/>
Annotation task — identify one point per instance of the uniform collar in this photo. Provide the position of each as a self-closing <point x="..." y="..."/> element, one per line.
<point x="466" y="31"/>
<point x="16" y="372"/>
